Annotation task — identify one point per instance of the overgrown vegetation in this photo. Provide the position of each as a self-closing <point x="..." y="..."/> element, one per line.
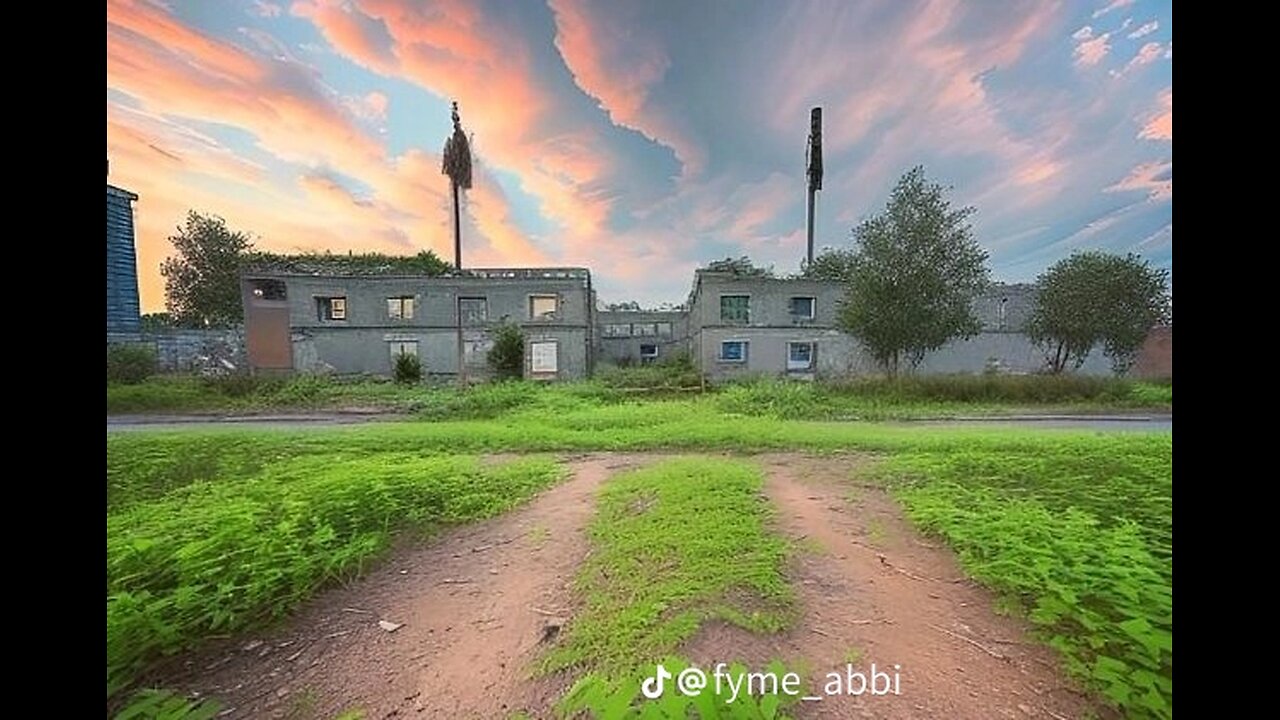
<point x="129" y="363"/>
<point x="506" y="357"/>
<point x="1078" y="533"/>
<point x="867" y="398"/>
<point x="212" y="541"/>
<point x="674" y="545"/>
<point x="407" y="369"/>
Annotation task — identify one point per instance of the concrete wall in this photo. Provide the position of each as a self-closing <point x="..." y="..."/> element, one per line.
<point x="1155" y="357"/>
<point x="615" y="348"/>
<point x="199" y="351"/>
<point x="362" y="342"/>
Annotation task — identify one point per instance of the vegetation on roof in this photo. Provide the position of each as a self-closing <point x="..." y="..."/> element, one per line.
<point x="368" y="263"/>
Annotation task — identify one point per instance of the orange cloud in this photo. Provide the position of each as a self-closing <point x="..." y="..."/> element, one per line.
<point x="1159" y="125"/>
<point x="1153" y="178"/>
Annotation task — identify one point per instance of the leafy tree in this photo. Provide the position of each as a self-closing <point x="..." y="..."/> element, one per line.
<point x="831" y="264"/>
<point x="202" y="279"/>
<point x="912" y="276"/>
<point x="425" y="262"/>
<point x="506" y="357"/>
<point x="155" y="322"/>
<point x="407" y="369"/>
<point x="1096" y="297"/>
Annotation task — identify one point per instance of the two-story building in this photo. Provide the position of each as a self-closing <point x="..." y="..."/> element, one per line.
<point x="640" y="337"/>
<point x="351" y="324"/>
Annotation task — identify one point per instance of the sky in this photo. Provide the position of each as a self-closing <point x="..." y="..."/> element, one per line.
<point x="641" y="140"/>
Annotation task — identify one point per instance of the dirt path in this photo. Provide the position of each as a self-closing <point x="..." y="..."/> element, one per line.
<point x="474" y="604"/>
<point x="870" y="586"/>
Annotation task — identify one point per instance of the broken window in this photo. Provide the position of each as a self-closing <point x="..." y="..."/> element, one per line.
<point x="733" y="351"/>
<point x="735" y="308"/>
<point x="268" y="289"/>
<point x="802" y="308"/>
<point x="617" y="330"/>
<point x="648" y="352"/>
<point x="474" y="310"/>
<point x="664" y="329"/>
<point x="403" y="347"/>
<point x="800" y="356"/>
<point x="542" y="307"/>
<point x="400" y="308"/>
<point x="331" y="308"/>
<point x="646" y="329"/>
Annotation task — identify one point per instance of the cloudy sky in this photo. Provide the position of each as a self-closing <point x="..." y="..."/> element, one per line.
<point x="641" y="139"/>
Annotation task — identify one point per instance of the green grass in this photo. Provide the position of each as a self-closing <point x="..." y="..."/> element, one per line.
<point x="238" y="542"/>
<point x="866" y="399"/>
<point x="674" y="545"/>
<point x="1074" y="527"/>
<point x="1078" y="536"/>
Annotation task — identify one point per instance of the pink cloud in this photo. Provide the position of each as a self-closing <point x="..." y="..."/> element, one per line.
<point x="1091" y="51"/>
<point x="1159" y="124"/>
<point x="1153" y="178"/>
<point x="1145" y="29"/>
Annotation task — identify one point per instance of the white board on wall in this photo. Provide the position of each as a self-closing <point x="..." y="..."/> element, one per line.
<point x="542" y="357"/>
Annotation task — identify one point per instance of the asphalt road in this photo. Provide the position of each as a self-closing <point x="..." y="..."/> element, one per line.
<point x="145" y="423"/>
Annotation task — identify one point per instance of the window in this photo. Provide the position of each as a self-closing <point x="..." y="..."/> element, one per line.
<point x="402" y="347"/>
<point x="400" y="308"/>
<point x="474" y="310"/>
<point x="664" y="329"/>
<point x="733" y="351"/>
<point x="648" y="351"/>
<point x="646" y="329"/>
<point x="542" y="357"/>
<point x="268" y="289"/>
<point x="542" y="307"/>
<point x="618" y="330"/>
<point x="331" y="308"/>
<point x="800" y="356"/>
<point x="735" y="308"/>
<point x="802" y="308"/>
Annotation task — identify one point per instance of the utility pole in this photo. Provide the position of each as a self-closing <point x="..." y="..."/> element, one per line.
<point x="457" y="165"/>
<point x="813" y="157"/>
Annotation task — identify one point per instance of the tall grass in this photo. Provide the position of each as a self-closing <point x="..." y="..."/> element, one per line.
<point x="224" y="552"/>
<point x="1079" y="536"/>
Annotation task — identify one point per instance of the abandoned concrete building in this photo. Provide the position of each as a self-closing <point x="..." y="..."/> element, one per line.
<point x="348" y="324"/>
<point x="732" y="325"/>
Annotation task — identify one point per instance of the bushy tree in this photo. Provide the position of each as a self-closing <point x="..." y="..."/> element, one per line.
<point x="740" y="266"/>
<point x="831" y="264"/>
<point x="506" y="357"/>
<point x="912" y="276"/>
<point x="1093" y="298"/>
<point x="202" y="278"/>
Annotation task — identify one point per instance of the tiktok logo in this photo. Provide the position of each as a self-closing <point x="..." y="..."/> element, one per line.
<point x="648" y="687"/>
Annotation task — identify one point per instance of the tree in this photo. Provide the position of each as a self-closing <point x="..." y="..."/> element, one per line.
<point x="506" y="357"/>
<point x="913" y="275"/>
<point x="202" y="280"/>
<point x="1095" y="298"/>
<point x="830" y="264"/>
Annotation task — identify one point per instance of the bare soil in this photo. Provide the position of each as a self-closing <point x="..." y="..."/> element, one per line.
<point x="477" y="606"/>
<point x="873" y="590"/>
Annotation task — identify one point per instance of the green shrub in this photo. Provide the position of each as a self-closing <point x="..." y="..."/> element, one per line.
<point x="408" y="369"/>
<point x="506" y="357"/>
<point x="130" y="364"/>
<point x="240" y="385"/>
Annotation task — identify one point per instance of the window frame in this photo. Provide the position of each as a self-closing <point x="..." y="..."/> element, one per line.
<point x="608" y="333"/>
<point x="462" y="317"/>
<point x="648" y="356"/>
<point x="325" y="308"/>
<point x="813" y="307"/>
<point x="720" y="356"/>
<point x="543" y="373"/>
<point x="402" y="301"/>
<point x="812" y="362"/>
<point x="728" y="321"/>
<point x="391" y="344"/>
<point x="534" y="297"/>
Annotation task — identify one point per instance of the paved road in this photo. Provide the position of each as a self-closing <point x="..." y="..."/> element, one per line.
<point x="1108" y="423"/>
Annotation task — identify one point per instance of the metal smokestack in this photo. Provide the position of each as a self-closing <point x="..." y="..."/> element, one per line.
<point x="814" y="170"/>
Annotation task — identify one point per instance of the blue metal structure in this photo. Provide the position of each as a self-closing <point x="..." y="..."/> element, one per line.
<point x="122" y="267"/>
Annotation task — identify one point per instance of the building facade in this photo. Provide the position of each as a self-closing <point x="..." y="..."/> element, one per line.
<point x="358" y="324"/>
<point x="640" y="337"/>
<point x="123" y="312"/>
